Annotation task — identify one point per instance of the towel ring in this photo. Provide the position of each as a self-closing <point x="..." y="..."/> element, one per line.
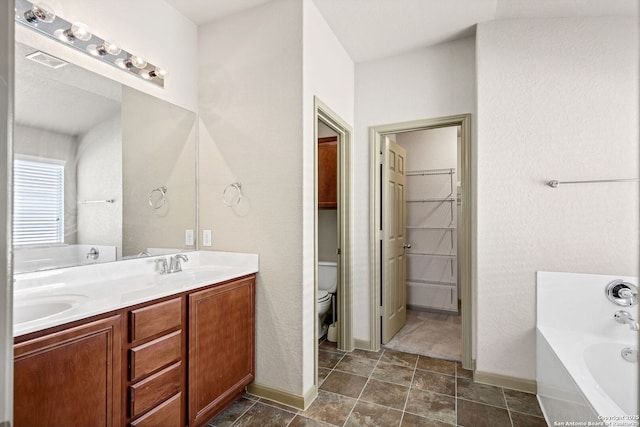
<point x="161" y="199"/>
<point x="227" y="195"/>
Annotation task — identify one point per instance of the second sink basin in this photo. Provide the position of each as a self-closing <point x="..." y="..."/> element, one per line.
<point x="30" y="309"/>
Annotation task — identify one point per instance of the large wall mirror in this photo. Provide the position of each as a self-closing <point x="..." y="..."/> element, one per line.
<point x="103" y="172"/>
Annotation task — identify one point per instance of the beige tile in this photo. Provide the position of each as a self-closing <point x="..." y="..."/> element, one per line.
<point x="323" y="373"/>
<point x="345" y="384"/>
<point x="399" y="358"/>
<point x="330" y="407"/>
<point x="432" y="405"/>
<point x="473" y="414"/>
<point x="411" y="420"/>
<point x="232" y="413"/>
<point x="300" y="421"/>
<point x="430" y="334"/>
<point x="483" y="393"/>
<point x="328" y="359"/>
<point x="371" y="415"/>
<point x="356" y="365"/>
<point x="522" y="402"/>
<point x="329" y="346"/>
<point x="432" y="381"/>
<point x="526" y="420"/>
<point x="260" y="415"/>
<point x="386" y="394"/>
<point x="367" y="354"/>
<point x="393" y="374"/>
<point x="446" y="367"/>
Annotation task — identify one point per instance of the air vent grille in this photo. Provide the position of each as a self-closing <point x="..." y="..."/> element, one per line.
<point x="46" y="59"/>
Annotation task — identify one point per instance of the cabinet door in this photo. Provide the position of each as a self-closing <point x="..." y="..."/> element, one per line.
<point x="221" y="347"/>
<point x="70" y="378"/>
<point x="328" y="173"/>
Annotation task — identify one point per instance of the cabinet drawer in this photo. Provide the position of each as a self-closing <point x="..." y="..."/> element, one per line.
<point x="154" y="355"/>
<point x="167" y="414"/>
<point x="147" y="393"/>
<point x="152" y="320"/>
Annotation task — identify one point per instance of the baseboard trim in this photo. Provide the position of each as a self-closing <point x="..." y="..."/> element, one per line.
<point x="506" y="381"/>
<point x="362" y="344"/>
<point x="296" y="401"/>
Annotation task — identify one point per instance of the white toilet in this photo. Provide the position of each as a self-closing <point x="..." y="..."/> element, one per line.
<point x="327" y="286"/>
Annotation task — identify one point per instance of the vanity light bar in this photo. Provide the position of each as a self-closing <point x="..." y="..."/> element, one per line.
<point x="41" y="18"/>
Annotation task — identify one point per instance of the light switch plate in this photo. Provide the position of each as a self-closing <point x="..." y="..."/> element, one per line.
<point x="188" y="237"/>
<point x="206" y="237"/>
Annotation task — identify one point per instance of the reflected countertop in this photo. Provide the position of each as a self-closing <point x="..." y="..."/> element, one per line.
<point x="50" y="298"/>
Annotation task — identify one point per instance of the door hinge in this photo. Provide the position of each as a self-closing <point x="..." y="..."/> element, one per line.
<point x="381" y="311"/>
<point x="338" y="251"/>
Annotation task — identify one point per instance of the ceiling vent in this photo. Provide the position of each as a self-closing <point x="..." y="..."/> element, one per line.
<point x="46" y="59"/>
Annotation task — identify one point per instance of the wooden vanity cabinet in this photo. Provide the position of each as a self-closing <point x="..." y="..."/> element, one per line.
<point x="156" y="364"/>
<point x="221" y="346"/>
<point x="328" y="172"/>
<point x="71" y="377"/>
<point x="129" y="368"/>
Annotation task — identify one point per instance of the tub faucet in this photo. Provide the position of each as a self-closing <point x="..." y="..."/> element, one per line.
<point x="174" y="263"/>
<point x="624" y="317"/>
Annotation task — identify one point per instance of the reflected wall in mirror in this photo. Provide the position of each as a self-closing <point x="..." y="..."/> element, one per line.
<point x="108" y="146"/>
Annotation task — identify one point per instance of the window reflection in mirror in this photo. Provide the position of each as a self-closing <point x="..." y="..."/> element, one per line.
<point x="116" y="145"/>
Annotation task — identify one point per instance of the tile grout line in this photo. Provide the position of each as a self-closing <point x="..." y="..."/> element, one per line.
<point x="362" y="391"/>
<point x="406" y="400"/>
<point x="504" y="396"/>
<point x="243" y="413"/>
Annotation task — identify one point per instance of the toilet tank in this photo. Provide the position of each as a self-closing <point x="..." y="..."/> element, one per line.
<point x="327" y="276"/>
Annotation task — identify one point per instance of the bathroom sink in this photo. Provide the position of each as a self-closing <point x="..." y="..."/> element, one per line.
<point x="30" y="309"/>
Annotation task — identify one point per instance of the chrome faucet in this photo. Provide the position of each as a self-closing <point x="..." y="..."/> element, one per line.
<point x="624" y="317"/>
<point x="174" y="263"/>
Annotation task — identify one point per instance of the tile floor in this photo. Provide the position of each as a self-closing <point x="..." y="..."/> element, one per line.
<point x="390" y="388"/>
<point x="431" y="334"/>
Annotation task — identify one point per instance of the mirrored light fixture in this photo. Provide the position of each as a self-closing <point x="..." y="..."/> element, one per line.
<point x="39" y="12"/>
<point x="42" y="18"/>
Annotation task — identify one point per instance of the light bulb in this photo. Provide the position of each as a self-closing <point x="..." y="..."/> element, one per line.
<point x="137" y="61"/>
<point x="122" y="63"/>
<point x="102" y="50"/>
<point x="78" y="31"/>
<point x="160" y="73"/>
<point x="111" y="48"/>
<point x="40" y="13"/>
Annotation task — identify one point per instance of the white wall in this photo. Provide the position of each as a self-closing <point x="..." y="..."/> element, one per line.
<point x="329" y="74"/>
<point x="250" y="80"/>
<point x="432" y="82"/>
<point x="158" y="150"/>
<point x="99" y="172"/>
<point x="149" y="28"/>
<point x="557" y="99"/>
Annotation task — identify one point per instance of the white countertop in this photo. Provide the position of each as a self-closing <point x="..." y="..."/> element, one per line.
<point x="75" y="293"/>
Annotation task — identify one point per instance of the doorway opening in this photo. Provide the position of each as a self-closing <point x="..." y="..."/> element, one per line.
<point x="421" y="237"/>
<point x="332" y="139"/>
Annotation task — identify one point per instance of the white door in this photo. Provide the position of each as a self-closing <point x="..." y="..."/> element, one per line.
<point x="393" y="274"/>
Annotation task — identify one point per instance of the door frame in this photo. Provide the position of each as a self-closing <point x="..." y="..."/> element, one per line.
<point x="375" y="136"/>
<point x="344" y="294"/>
<point x="7" y="46"/>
